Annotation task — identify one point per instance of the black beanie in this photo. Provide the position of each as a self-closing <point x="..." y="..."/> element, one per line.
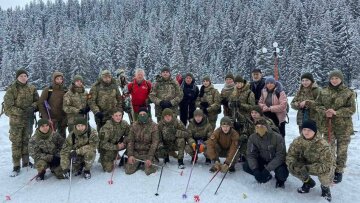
<point x="143" y="109"/>
<point x="257" y="109"/>
<point x="238" y="78"/>
<point x="308" y="76"/>
<point x="165" y="69"/>
<point x="309" y="124"/>
<point x="21" y="71"/>
<point x="229" y="75"/>
<point x="43" y="121"/>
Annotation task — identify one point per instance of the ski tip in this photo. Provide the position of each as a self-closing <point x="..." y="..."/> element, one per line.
<point x="110" y="182"/>
<point x="184" y="196"/>
<point x="181" y="173"/>
<point x="7" y="198"/>
<point x="196" y="198"/>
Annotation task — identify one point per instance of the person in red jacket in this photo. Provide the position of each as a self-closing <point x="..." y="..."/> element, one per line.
<point x="139" y="89"/>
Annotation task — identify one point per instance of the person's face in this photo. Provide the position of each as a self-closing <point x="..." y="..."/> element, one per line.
<point x="225" y="128"/>
<point x="117" y="117"/>
<point x="229" y="81"/>
<point x="239" y="85"/>
<point x="270" y="86"/>
<point x="78" y="83"/>
<point x="165" y="74"/>
<point x="59" y="80"/>
<point x="198" y="118"/>
<point x="206" y="83"/>
<point x="335" y="81"/>
<point x="256" y="76"/>
<point x="188" y="80"/>
<point x="23" y="78"/>
<point x="255" y="115"/>
<point x="106" y="78"/>
<point x="305" y="82"/>
<point x="308" y="133"/>
<point x="44" y="128"/>
<point x="140" y="76"/>
<point x="168" y="118"/>
<point x="80" y="127"/>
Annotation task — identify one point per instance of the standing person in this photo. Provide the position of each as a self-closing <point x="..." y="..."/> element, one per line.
<point x="20" y="103"/>
<point x="80" y="146"/>
<point x="273" y="103"/>
<point x="304" y="100"/>
<point x="121" y="78"/>
<point x="139" y="89"/>
<point x="103" y="97"/>
<point x="187" y="104"/>
<point x="226" y="93"/>
<point x="310" y="154"/>
<point x="75" y="103"/>
<point x="336" y="105"/>
<point x="54" y="95"/>
<point x="209" y="101"/>
<point x="142" y="144"/>
<point x="257" y="83"/>
<point x="44" y="148"/>
<point x="112" y="138"/>
<point x="266" y="152"/>
<point x="223" y="142"/>
<point x="166" y="93"/>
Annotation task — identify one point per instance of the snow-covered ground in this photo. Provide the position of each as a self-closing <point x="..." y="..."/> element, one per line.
<point x="237" y="187"/>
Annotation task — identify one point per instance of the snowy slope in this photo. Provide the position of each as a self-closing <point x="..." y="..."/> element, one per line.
<point x="237" y="187"/>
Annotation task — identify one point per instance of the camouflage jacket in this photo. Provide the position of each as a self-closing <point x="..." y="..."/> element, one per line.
<point x="246" y="98"/>
<point x="309" y="95"/>
<point x="45" y="146"/>
<point x="226" y="92"/>
<point x="168" y="90"/>
<point x="113" y="133"/>
<point x="229" y="142"/>
<point x="315" y="154"/>
<point x="74" y="100"/>
<point x="271" y="148"/>
<point x="169" y="132"/>
<point x="143" y="139"/>
<point x="200" y="131"/>
<point x="212" y="96"/>
<point x="17" y="99"/>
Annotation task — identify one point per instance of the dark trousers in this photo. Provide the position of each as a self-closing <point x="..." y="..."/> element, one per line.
<point x="275" y="119"/>
<point x="281" y="172"/>
<point x="187" y="111"/>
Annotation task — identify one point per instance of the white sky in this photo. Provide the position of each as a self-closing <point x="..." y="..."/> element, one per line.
<point x="5" y="4"/>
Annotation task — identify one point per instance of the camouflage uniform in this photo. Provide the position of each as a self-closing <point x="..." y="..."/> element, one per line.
<point x="212" y="96"/>
<point x="74" y="100"/>
<point x="103" y="98"/>
<point x="19" y="102"/>
<point x="225" y="94"/>
<point x="85" y="144"/>
<point x="199" y="133"/>
<point x="246" y="99"/>
<point x="142" y="144"/>
<point x="166" y="90"/>
<point x="342" y="100"/>
<point x="43" y="148"/>
<point x="111" y="134"/>
<point x="311" y="157"/>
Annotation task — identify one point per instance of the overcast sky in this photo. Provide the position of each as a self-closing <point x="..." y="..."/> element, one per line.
<point x="5" y="4"/>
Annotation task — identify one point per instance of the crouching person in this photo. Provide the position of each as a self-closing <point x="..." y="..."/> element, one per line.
<point x="266" y="152"/>
<point x="310" y="154"/>
<point x="44" y="148"/>
<point x="113" y="137"/>
<point x="80" y="148"/>
<point x="142" y="142"/>
<point x="223" y="142"/>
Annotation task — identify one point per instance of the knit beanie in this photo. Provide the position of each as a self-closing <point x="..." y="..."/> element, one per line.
<point x="309" y="124"/>
<point x="308" y="76"/>
<point x="21" y="71"/>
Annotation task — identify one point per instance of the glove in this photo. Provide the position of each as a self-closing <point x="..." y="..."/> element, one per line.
<point x="224" y="168"/>
<point x="99" y="115"/>
<point x="258" y="175"/>
<point x="73" y="154"/>
<point x="204" y="105"/>
<point x="200" y="147"/>
<point x="235" y="104"/>
<point x="225" y="102"/>
<point x="165" y="104"/>
<point x="217" y="165"/>
<point x="262" y="176"/>
<point x="84" y="110"/>
<point x="237" y="125"/>
<point x="55" y="161"/>
<point x="66" y="174"/>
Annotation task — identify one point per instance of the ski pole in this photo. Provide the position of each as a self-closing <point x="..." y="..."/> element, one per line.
<point x="113" y="170"/>
<point x="197" y="197"/>
<point x="8" y="197"/>
<point x="329" y="130"/>
<point x="181" y="172"/>
<point x="157" y="190"/>
<point x="71" y="168"/>
<point x="232" y="160"/>
<point x="193" y="164"/>
<point x="47" y="106"/>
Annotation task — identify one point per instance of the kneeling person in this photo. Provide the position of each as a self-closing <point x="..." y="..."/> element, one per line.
<point x="80" y="148"/>
<point x="44" y="148"/>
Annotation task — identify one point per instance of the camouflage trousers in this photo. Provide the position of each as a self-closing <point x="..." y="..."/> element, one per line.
<point x="339" y="144"/>
<point x="212" y="120"/>
<point x="82" y="160"/>
<point x="215" y="155"/>
<point x="171" y="147"/>
<point x="19" y="137"/>
<point x="42" y="165"/>
<point x="107" y="159"/>
<point x="325" y="179"/>
<point x="132" y="168"/>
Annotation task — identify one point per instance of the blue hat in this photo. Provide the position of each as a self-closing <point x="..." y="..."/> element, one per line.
<point x="270" y="80"/>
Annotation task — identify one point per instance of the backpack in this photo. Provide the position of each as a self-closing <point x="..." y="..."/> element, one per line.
<point x="287" y="108"/>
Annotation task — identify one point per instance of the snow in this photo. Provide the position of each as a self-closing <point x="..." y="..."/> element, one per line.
<point x="237" y="187"/>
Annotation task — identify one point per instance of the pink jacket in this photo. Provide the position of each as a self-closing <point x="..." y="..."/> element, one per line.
<point x="279" y="104"/>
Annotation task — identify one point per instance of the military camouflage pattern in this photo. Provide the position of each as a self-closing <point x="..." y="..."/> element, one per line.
<point x="342" y="100"/>
<point x="167" y="90"/>
<point x="212" y="96"/>
<point x="311" y="157"/>
<point x="43" y="147"/>
<point x="104" y="98"/>
<point x="225" y="95"/>
<point x="198" y="132"/>
<point x="73" y="101"/>
<point x="17" y="100"/>
<point x="85" y="144"/>
<point x="143" y="141"/>
<point x="111" y="134"/>
<point x="246" y="98"/>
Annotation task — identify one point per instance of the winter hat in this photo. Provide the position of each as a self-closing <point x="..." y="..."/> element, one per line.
<point x="105" y="72"/>
<point x="167" y="112"/>
<point x="165" y="69"/>
<point x="257" y="109"/>
<point x="21" y="71"/>
<point x="144" y="109"/>
<point x="270" y="80"/>
<point x="207" y="78"/>
<point x="256" y="70"/>
<point x="336" y="73"/>
<point x="190" y="75"/>
<point x="229" y="75"/>
<point x="80" y="120"/>
<point x="238" y="78"/>
<point x="261" y="122"/>
<point x="78" y="77"/>
<point x="57" y="74"/>
<point x="309" y="124"/>
<point x="225" y="121"/>
<point x="120" y="72"/>
<point x="43" y="121"/>
<point x="308" y="76"/>
<point x="198" y="112"/>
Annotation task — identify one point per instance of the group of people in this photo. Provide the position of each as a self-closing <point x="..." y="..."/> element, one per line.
<point x="252" y="129"/>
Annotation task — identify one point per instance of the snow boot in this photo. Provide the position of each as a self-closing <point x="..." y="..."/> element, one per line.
<point x="207" y="161"/>
<point x="280" y="184"/>
<point x="305" y="188"/>
<point x="181" y="164"/>
<point x="337" y="178"/>
<point x="166" y="159"/>
<point x="325" y="192"/>
<point x="232" y="169"/>
<point x="41" y="175"/>
<point x="15" y="172"/>
<point x="87" y="175"/>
